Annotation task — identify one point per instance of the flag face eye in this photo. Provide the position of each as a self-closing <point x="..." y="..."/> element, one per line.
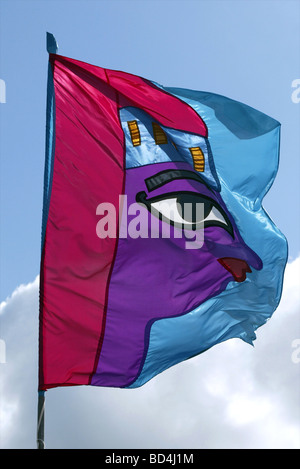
<point x="187" y="210"/>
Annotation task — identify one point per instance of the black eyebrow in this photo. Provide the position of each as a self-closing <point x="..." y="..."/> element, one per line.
<point x="168" y="175"/>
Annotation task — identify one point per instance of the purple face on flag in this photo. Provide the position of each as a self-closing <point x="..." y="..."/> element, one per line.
<point x="178" y="244"/>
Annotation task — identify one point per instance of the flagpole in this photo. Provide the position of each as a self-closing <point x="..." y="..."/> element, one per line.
<point x="41" y="420"/>
<point x="52" y="48"/>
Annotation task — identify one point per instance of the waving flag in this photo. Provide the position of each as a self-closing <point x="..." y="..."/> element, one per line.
<point x="155" y="244"/>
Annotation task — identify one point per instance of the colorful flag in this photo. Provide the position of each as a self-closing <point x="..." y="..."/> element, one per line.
<point x="155" y="244"/>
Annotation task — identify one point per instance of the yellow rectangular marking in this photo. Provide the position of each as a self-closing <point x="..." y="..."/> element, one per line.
<point x="134" y="133"/>
<point x="198" y="158"/>
<point x="159" y="135"/>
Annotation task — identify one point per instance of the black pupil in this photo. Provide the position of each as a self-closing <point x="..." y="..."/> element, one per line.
<point x="187" y="207"/>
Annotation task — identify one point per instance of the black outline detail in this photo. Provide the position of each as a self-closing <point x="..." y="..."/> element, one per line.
<point x="141" y="198"/>
<point x="162" y="178"/>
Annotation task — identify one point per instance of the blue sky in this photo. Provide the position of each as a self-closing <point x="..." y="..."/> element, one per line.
<point x="246" y="50"/>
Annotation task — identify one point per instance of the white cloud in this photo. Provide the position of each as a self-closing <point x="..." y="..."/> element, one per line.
<point x="232" y="396"/>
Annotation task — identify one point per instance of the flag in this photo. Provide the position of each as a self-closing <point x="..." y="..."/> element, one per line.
<point x="155" y="243"/>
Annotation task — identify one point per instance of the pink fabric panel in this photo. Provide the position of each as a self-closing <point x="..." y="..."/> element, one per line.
<point x="136" y="91"/>
<point x="88" y="170"/>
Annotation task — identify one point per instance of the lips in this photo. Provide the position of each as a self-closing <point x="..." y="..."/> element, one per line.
<point x="237" y="267"/>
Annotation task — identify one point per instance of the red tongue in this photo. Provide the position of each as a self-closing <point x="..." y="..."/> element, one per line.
<point x="236" y="267"/>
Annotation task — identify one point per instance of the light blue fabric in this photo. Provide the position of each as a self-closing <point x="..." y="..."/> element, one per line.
<point x="245" y="149"/>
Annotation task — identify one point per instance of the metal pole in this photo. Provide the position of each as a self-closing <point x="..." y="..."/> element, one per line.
<point x="41" y="420"/>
